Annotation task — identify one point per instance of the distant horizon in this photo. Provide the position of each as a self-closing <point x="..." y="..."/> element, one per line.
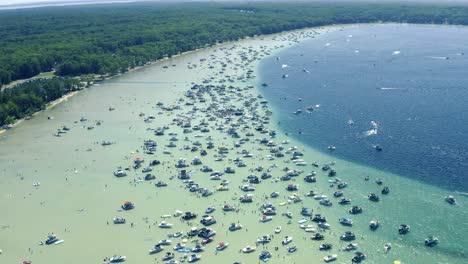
<point x="23" y="4"/>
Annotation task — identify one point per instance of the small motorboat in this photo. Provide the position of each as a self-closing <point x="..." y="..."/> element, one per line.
<point x="374" y="224"/>
<point x="403" y="229"/>
<point x="127" y="205"/>
<point x="324" y="247"/>
<point x="164" y="224"/>
<point x="117" y="220"/>
<point x="348" y="236"/>
<point x="210" y="209"/>
<point x="358" y="257"/>
<point x="286" y="240"/>
<point x="355" y="210"/>
<point x="116" y="259"/>
<point x="350" y="247"/>
<point x="292" y="249"/>
<point x="228" y="207"/>
<point x="278" y="230"/>
<point x="338" y="193"/>
<point x="450" y="199"/>
<point x="156" y="249"/>
<point x="346" y="221"/>
<point x="168" y="256"/>
<point x="326" y="202"/>
<point x="387" y="247"/>
<point x="176" y="234"/>
<point x="51" y="239"/>
<point x="165" y="242"/>
<point x="324" y="225"/>
<point x="265" y="255"/>
<point x="330" y="258"/>
<point x="274" y="194"/>
<point x="207" y="240"/>
<point x="373" y="197"/>
<point x="385" y="190"/>
<point x="264" y="239"/>
<point x="221" y="246"/>
<point x="198" y="248"/>
<point x="160" y="184"/>
<point x="248" y="249"/>
<point x="265" y="218"/>
<point x="194" y="258"/>
<point x="344" y="201"/>
<point x="234" y="227"/>
<point x="179" y="246"/>
<point x="317" y="236"/>
<point x="431" y="241"/>
<point x="208" y="220"/>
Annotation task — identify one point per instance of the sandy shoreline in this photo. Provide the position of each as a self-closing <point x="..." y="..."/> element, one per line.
<point x="70" y="95"/>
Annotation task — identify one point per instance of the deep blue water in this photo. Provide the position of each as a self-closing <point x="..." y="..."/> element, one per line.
<point x="421" y="115"/>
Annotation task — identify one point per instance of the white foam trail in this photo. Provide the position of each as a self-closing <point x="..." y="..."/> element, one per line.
<point x="396" y="52"/>
<point x="438" y="57"/>
<point x="390" y="88"/>
<point x="328" y="44"/>
<point x="372" y="131"/>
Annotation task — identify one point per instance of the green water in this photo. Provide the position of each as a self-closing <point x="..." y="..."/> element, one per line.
<point x="78" y="194"/>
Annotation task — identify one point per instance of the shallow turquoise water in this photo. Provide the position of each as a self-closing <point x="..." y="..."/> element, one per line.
<point x="78" y="194"/>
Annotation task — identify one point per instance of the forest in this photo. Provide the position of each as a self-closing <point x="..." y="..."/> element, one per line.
<point x="113" y="38"/>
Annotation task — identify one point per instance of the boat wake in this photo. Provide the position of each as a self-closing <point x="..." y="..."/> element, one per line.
<point x="372" y="131"/>
<point x="438" y="57"/>
<point x="390" y="88"/>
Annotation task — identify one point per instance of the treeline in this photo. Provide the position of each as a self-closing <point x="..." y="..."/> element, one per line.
<point x="30" y="97"/>
<point x="112" y="38"/>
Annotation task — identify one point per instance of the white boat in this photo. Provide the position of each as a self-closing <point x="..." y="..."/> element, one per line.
<point x="320" y="197"/>
<point x="248" y="249"/>
<point x="165" y="242"/>
<point x="286" y="240"/>
<point x="351" y="246"/>
<point x="310" y="230"/>
<point x="194" y="258"/>
<point x="264" y="239"/>
<point x="198" y="248"/>
<point x="164" y="224"/>
<point x="326" y="202"/>
<point x="387" y="247"/>
<point x="115" y="259"/>
<point x="278" y="229"/>
<point x="234" y="227"/>
<point x="303" y="220"/>
<point x="265" y="218"/>
<point x="222" y="246"/>
<point x="156" y="249"/>
<point x="346" y="221"/>
<point x="324" y="225"/>
<point x="179" y="246"/>
<point x="330" y="258"/>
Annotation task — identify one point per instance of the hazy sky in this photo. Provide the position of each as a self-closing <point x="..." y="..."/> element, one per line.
<point x="51" y="2"/>
<point x="41" y="2"/>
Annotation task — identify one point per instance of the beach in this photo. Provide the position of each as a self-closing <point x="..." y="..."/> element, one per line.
<point x="207" y="105"/>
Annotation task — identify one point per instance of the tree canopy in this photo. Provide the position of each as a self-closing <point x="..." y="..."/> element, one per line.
<point x="110" y="39"/>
